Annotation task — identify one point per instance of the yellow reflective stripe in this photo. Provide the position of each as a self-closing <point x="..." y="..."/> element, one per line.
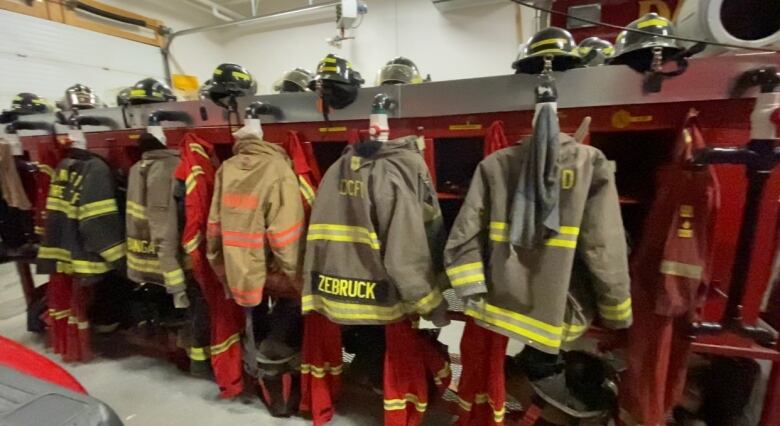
<point x="224" y="346"/>
<point x="343" y="233"/>
<point x="55" y="314"/>
<point x="525" y="319"/>
<point x="427" y="303"/>
<point x="468" y="279"/>
<point x="60" y="205"/>
<point x="466" y="267"/>
<point x="498" y="225"/>
<point x="557" y="242"/>
<point x="481" y="398"/>
<point x="350" y="311"/>
<point x="679" y="269"/>
<point x="82" y="325"/>
<point x="539" y="52"/>
<point x="400" y="404"/>
<point x="518" y="324"/>
<point x="199" y="150"/>
<point x="617" y="312"/>
<point x="97" y="208"/>
<point x="653" y="23"/>
<point x="499" y="231"/>
<point x="572" y="332"/>
<point x="442" y="374"/>
<point x="39" y="230"/>
<point x="45" y="168"/>
<point x="87" y="267"/>
<point x="569" y="230"/>
<point x="329" y="60"/>
<point x="306" y="190"/>
<point x="114" y="253"/>
<point x="136" y="210"/>
<point x="175" y="277"/>
<point x="54" y="253"/>
<point x="191" y="180"/>
<point x="193" y="243"/>
<point x="548" y="41"/>
<point x="151" y="266"/>
<point x="321" y="372"/>
<point x="198" y="354"/>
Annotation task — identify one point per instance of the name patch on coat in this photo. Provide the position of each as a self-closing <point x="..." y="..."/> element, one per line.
<point x="354" y="289"/>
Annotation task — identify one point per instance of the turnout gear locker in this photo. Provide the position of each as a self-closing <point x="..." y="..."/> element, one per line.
<point x="153" y="253"/>
<point x="225" y="318"/>
<point x="374" y="238"/>
<point x="256" y="219"/>
<point x="524" y="293"/>
<point x="84" y="233"/>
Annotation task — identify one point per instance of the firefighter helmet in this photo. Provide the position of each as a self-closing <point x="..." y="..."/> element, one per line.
<point x="552" y="41"/>
<point x="123" y="97"/>
<point x="232" y="80"/>
<point x="635" y="49"/>
<point x="149" y="91"/>
<point x="203" y="92"/>
<point x="339" y="82"/>
<point x="29" y="103"/>
<point x="595" y="51"/>
<point x="296" y="80"/>
<point x="399" y="70"/>
<point x="80" y="96"/>
<point x="585" y="389"/>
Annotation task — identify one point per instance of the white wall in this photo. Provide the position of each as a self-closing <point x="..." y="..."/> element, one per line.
<point x="473" y="42"/>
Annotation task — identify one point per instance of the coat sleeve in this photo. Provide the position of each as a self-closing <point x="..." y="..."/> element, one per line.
<point x="602" y="246"/>
<point x="284" y="220"/>
<point x="407" y="255"/>
<point x="214" y="231"/>
<point x="100" y="225"/>
<point x="463" y="253"/>
<point x="164" y="230"/>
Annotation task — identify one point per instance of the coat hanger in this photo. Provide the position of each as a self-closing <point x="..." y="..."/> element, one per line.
<point x="154" y="127"/>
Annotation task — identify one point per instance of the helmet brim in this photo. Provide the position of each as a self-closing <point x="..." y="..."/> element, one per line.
<point x="534" y="64"/>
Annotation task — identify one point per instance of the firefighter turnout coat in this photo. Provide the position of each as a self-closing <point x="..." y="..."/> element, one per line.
<point x="84" y="232"/>
<point x="373" y="239"/>
<point x="153" y="247"/>
<point x="256" y="219"/>
<point x="525" y="293"/>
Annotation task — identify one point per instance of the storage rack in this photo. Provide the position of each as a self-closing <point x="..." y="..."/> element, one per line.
<point x="633" y="129"/>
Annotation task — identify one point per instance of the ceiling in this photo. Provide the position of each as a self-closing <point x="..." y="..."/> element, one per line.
<point x="237" y="9"/>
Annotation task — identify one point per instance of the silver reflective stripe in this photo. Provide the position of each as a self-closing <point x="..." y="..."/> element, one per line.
<point x="685" y="270"/>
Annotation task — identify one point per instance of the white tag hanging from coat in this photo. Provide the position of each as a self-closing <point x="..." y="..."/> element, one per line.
<point x="77" y="139"/>
<point x="14" y="143"/>
<point x="157" y="132"/>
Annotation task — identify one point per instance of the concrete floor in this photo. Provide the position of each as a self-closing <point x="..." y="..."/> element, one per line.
<point x="146" y="391"/>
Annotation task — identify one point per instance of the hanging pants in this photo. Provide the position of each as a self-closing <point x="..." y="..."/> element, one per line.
<point x="69" y="331"/>
<point x="226" y="320"/>
<point x="411" y="360"/>
<point x="321" y="367"/>
<point x="481" y="390"/>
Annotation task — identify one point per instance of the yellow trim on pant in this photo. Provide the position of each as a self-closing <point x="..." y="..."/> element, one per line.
<point x="400" y="404"/>
<point x="224" y="346"/>
<point x="618" y="312"/>
<point x="482" y="398"/>
<point x="321" y="372"/>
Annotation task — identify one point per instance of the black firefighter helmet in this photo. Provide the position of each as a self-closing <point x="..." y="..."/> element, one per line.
<point x="29" y="103"/>
<point x="338" y="81"/>
<point x="552" y="41"/>
<point x="149" y="91"/>
<point x="595" y="51"/>
<point x="635" y="49"/>
<point x="231" y="81"/>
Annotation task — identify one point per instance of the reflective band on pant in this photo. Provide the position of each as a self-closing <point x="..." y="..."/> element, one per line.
<point x="192" y="245"/>
<point x="343" y="233"/>
<point x="199" y="150"/>
<point x="350" y="312"/>
<point x="400" y="404"/>
<point x="243" y="239"/>
<point x="572" y="332"/>
<point x="306" y="190"/>
<point x="619" y="312"/>
<point x="191" y="180"/>
<point x="224" y="346"/>
<point x="482" y="398"/>
<point x="467" y="274"/>
<point x="198" y="354"/>
<point x="58" y="315"/>
<point x="321" y="372"/>
<point x="136" y="210"/>
<point x="523" y="327"/>
<point x="114" y="253"/>
<point x="679" y="269"/>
